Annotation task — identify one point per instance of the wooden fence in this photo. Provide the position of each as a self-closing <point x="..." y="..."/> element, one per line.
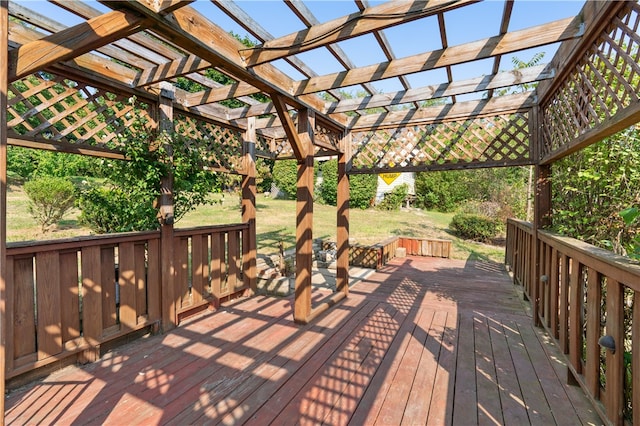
<point x="67" y="297"/>
<point x="587" y="298"/>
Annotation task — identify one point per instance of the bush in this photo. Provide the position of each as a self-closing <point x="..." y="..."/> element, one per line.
<point x="50" y="198"/>
<point x="393" y="200"/>
<point x="107" y="209"/>
<point x="474" y="227"/>
<point x="329" y="185"/>
<point x="362" y="190"/>
<point x="285" y="176"/>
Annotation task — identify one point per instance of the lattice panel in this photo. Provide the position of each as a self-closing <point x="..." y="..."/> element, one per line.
<point x="327" y="135"/>
<point x="498" y="140"/>
<point x="264" y="146"/>
<point x="43" y="106"/>
<point x="604" y="82"/>
<point x="222" y="145"/>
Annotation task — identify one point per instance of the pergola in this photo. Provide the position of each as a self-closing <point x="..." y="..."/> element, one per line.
<point x="67" y="89"/>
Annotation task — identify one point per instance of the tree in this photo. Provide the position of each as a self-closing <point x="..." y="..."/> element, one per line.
<point x="125" y="201"/>
<point x="592" y="186"/>
<point x="362" y="187"/>
<point x="49" y="199"/>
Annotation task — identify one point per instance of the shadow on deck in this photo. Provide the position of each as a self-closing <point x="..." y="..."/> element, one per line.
<point x="422" y="341"/>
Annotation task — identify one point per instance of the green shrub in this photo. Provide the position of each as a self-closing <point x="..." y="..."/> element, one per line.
<point x="474" y="227"/>
<point x="329" y="186"/>
<point x="108" y="209"/>
<point x="362" y="190"/>
<point x="49" y="199"/>
<point x="393" y="200"/>
<point x="285" y="176"/>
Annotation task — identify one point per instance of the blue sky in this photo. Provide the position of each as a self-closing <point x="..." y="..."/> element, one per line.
<point x="465" y="24"/>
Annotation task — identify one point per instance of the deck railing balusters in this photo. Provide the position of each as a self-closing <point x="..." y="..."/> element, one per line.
<point x="67" y="297"/>
<point x="585" y="286"/>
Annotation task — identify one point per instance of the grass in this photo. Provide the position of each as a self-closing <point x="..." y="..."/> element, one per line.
<point x="276" y="222"/>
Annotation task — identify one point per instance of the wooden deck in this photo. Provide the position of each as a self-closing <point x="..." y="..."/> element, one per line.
<point x="422" y="341"/>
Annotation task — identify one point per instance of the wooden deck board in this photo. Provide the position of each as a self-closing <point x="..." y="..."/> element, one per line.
<point x="422" y="341"/>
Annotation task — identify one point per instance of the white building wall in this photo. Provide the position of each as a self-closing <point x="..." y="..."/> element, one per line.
<point x="383" y="187"/>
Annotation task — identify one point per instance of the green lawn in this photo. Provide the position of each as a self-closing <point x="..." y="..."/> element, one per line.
<point x="275" y="223"/>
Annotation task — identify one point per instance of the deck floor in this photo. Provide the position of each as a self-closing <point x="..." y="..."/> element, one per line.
<point x="422" y="341"/>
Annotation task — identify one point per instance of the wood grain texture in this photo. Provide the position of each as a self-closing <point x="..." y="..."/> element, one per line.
<point x="71" y="42"/>
<point x="371" y="19"/>
<point x="393" y="352"/>
<point x="481" y="49"/>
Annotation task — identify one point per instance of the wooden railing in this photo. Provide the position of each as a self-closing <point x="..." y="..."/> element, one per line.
<point x="378" y="255"/>
<point x="588" y="299"/>
<point x="67" y="297"/>
<point x="209" y="265"/>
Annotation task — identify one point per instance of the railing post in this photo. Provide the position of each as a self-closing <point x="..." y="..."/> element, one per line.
<point x="614" y="361"/>
<point x="4" y="48"/>
<point x="249" y="246"/>
<point x="169" y="303"/>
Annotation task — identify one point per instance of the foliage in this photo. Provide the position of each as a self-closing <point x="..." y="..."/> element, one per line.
<point x="329" y="185"/>
<point x="393" y="200"/>
<point x="110" y="209"/>
<point x="631" y="217"/>
<point x="474" y="227"/>
<point x="519" y="64"/>
<point x="592" y="186"/>
<point x="362" y="187"/>
<point x="264" y="174"/>
<point x="134" y="185"/>
<point x="441" y="191"/>
<point x="25" y="163"/>
<point x="50" y="198"/>
<point x="285" y="176"/>
<point x="362" y="190"/>
<point x="447" y="191"/>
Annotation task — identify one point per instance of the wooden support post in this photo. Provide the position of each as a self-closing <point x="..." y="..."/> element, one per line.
<point x="249" y="249"/>
<point x="542" y="218"/>
<point x="165" y="214"/>
<point x="342" y="233"/>
<point x="542" y="210"/>
<point x="304" y="222"/>
<point x="4" y="47"/>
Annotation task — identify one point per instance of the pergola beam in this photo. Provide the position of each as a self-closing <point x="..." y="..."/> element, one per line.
<point x="540" y="35"/>
<point x="72" y="42"/>
<point x="478" y="84"/>
<point x="187" y="28"/>
<point x="504" y="27"/>
<point x="356" y="24"/>
<point x="295" y="138"/>
<point x="447" y="112"/>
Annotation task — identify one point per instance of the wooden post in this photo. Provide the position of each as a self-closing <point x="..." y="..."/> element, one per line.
<point x="249" y="206"/>
<point x="4" y="60"/>
<point x="542" y="210"/>
<point x="542" y="215"/>
<point x="342" y="233"/>
<point x="614" y="371"/>
<point x="165" y="214"/>
<point x="304" y="223"/>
